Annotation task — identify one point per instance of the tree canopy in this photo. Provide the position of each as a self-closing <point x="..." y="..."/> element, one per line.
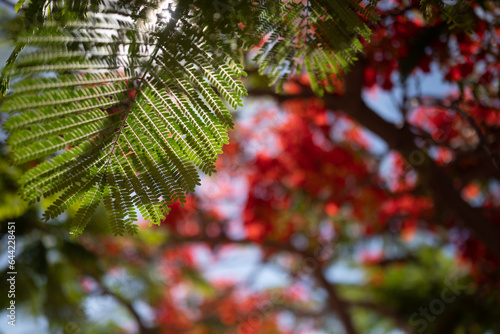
<point x="355" y="145"/>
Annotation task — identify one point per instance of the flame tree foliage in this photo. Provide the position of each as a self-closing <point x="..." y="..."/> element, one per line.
<point x="318" y="193"/>
<point x="133" y="92"/>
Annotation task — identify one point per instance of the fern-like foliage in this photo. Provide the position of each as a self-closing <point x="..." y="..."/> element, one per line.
<point x="456" y="13"/>
<point x="124" y="102"/>
<point x="321" y="35"/>
<point x="134" y="106"/>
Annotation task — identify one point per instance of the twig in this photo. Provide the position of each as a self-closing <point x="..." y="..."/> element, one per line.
<point x="336" y="303"/>
<point x="142" y="329"/>
<point x="482" y="139"/>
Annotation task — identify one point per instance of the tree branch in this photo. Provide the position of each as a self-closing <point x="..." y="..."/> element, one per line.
<point x="125" y="303"/>
<point x="336" y="303"/>
<point x="431" y="176"/>
<point x="482" y="139"/>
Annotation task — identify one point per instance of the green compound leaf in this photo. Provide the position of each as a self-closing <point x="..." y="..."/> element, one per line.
<point x="122" y="108"/>
<point x="125" y="102"/>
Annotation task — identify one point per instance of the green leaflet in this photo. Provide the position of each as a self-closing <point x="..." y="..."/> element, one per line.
<point x="19" y="4"/>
